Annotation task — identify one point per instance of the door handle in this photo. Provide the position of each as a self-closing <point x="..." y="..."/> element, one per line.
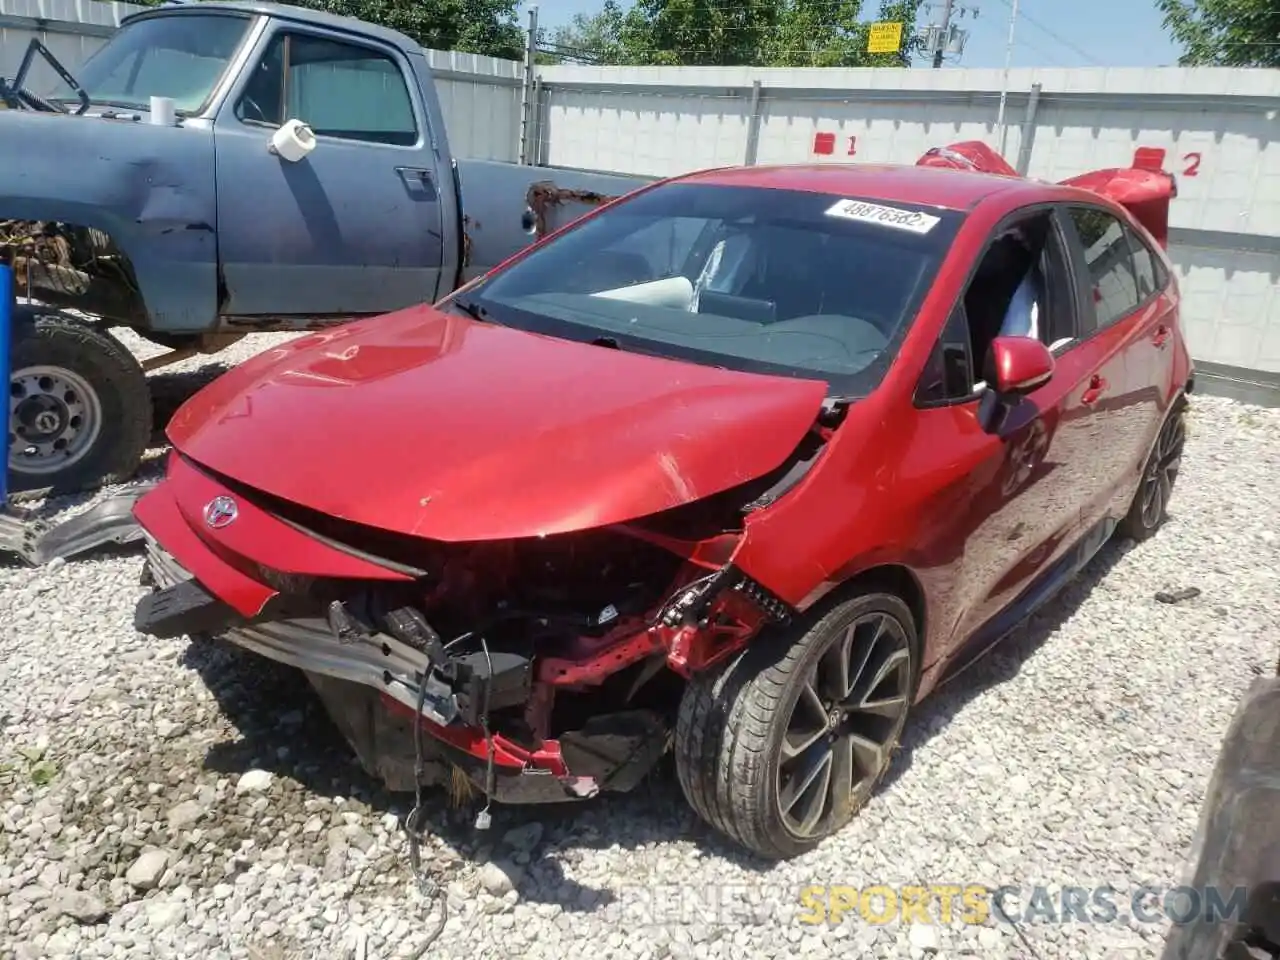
<point x="420" y="177"/>
<point x="1161" y="337"/>
<point x="1097" y="384"/>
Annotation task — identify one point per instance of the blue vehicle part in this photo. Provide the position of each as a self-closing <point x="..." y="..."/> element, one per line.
<point x="151" y="199"/>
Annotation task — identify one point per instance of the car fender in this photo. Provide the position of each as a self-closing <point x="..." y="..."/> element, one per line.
<point x="149" y="188"/>
<point x="800" y="550"/>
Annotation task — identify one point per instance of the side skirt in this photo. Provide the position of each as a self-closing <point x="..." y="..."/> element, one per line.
<point x="1039" y="592"/>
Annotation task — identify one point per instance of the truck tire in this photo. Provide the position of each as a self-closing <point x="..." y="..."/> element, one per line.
<point x="79" y="407"/>
<point x="748" y="732"/>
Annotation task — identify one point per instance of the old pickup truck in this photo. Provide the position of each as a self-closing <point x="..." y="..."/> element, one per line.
<point x="296" y="173"/>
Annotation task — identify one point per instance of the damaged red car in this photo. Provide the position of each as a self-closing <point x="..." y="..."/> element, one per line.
<point x="740" y="466"/>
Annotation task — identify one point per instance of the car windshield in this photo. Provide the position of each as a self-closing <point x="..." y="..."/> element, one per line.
<point x="772" y="281"/>
<point x="179" y="55"/>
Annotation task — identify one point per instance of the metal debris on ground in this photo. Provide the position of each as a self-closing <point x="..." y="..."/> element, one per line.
<point x="1177" y="596"/>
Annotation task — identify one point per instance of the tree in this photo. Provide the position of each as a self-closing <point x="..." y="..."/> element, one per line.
<point x="765" y="33"/>
<point x="593" y="39"/>
<point x="699" y="32"/>
<point x="822" y="33"/>
<point x="1224" y="33"/>
<point x="472" y="26"/>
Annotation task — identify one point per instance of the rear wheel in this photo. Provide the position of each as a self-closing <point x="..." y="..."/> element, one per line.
<point x="779" y="749"/>
<point x="79" y="407"/>
<point x="1150" y="507"/>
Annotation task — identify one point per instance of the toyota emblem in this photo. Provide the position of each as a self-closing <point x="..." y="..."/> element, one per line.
<point x="220" y="511"/>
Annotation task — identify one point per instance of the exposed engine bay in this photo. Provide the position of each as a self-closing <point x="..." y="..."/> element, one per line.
<point x="545" y="668"/>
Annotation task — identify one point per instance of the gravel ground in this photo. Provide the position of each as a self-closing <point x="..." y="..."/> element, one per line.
<point x="161" y="799"/>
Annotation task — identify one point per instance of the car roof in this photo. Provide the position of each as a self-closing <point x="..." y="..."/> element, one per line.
<point x="930" y="186"/>
<point x="286" y="11"/>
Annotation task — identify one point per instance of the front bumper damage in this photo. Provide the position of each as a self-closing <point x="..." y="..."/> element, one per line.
<point x="372" y="684"/>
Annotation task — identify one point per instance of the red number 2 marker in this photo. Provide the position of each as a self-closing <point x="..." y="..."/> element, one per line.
<point x="1192" y="160"/>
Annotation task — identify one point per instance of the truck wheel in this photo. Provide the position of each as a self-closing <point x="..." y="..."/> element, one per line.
<point x="780" y="748"/>
<point x="79" y="407"/>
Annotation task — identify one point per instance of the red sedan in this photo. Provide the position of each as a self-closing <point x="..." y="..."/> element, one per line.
<point x="741" y="466"/>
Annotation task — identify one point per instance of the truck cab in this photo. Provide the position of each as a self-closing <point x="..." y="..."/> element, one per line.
<point x="294" y="173"/>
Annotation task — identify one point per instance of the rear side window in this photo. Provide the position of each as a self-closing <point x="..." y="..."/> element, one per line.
<point x="1146" y="266"/>
<point x="1109" y="262"/>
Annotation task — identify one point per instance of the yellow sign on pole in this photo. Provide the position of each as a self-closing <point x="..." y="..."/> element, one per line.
<point x="884" y="37"/>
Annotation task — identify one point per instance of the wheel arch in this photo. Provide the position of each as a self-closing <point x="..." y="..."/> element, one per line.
<point x="890" y="577"/>
<point x="97" y="276"/>
<point x="901" y="581"/>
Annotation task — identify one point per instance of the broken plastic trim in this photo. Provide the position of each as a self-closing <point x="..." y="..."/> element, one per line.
<point x="36" y="542"/>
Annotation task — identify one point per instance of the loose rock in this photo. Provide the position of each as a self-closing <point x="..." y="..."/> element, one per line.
<point x="147" y="870"/>
<point x="253" y="781"/>
<point x="79" y="906"/>
<point x="498" y="878"/>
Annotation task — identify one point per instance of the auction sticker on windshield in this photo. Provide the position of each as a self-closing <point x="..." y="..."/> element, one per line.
<point x="895" y="217"/>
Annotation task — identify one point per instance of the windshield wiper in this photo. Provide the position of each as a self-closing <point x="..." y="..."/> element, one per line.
<point x="472" y="310"/>
<point x="14" y="94"/>
<point x="114" y="104"/>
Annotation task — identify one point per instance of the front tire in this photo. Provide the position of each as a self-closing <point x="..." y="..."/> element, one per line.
<point x="780" y="748"/>
<point x="79" y="407"/>
<point x="1150" y="507"/>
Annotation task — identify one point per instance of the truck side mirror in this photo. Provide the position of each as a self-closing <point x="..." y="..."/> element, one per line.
<point x="293" y="141"/>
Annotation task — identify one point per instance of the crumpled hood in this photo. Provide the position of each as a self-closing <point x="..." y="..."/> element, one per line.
<point x="434" y="425"/>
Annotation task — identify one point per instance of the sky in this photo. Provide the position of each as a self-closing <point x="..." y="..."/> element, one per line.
<point x="1049" y="33"/>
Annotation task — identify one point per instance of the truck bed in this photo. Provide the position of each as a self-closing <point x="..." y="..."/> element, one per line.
<point x="506" y="206"/>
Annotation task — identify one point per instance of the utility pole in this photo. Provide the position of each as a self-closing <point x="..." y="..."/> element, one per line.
<point x="527" y="105"/>
<point x="942" y="37"/>
<point x="1004" y="83"/>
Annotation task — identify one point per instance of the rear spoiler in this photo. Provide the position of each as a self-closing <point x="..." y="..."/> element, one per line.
<point x="1143" y="188"/>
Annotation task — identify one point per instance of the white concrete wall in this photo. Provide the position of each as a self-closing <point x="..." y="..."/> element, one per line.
<point x="480" y="96"/>
<point x="480" y="99"/>
<point x="1220" y="130"/>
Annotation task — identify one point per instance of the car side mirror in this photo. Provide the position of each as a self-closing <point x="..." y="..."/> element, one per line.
<point x="293" y="141"/>
<point x="1017" y="366"/>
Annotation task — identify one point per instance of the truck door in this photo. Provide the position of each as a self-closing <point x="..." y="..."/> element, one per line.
<point x="354" y="227"/>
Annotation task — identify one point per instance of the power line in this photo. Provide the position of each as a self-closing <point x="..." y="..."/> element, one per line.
<point x="1053" y="34"/>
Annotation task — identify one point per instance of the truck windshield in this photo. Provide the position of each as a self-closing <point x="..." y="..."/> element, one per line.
<point x="772" y="281"/>
<point x="177" y="55"/>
